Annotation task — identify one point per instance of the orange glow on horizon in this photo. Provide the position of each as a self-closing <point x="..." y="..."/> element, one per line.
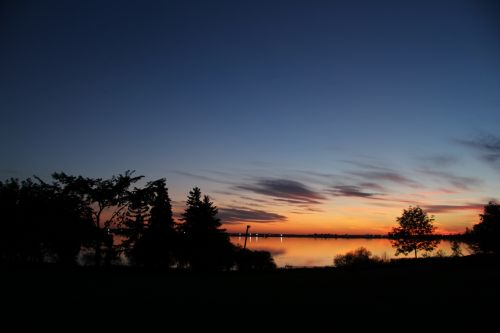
<point x="347" y="215"/>
<point x="366" y="222"/>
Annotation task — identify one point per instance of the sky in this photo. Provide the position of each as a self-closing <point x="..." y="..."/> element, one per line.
<point x="294" y="116"/>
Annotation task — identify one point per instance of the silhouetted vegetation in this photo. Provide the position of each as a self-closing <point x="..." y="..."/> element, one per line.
<point x="485" y="236"/>
<point x="456" y="250"/>
<point x="102" y="196"/>
<point x="43" y="222"/>
<point x="206" y="245"/>
<point x="56" y="222"/>
<point x="359" y="257"/>
<point x="414" y="233"/>
<point x="152" y="239"/>
<point x="254" y="260"/>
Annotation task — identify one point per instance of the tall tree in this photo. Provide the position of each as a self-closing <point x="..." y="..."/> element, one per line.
<point x="207" y="246"/>
<point x="200" y="216"/>
<point x="486" y="234"/>
<point x="156" y="244"/>
<point x="135" y="220"/>
<point x="414" y="232"/>
<point x="161" y="210"/>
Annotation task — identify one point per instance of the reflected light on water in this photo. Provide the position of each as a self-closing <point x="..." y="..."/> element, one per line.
<point x="310" y="252"/>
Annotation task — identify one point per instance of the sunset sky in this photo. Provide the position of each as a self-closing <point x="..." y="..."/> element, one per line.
<point x="294" y="116"/>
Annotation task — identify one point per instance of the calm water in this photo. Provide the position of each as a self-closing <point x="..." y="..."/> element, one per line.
<point x="309" y="252"/>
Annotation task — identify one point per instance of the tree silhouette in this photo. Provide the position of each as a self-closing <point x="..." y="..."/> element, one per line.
<point x="135" y="220"/>
<point x="102" y="195"/>
<point x="206" y="246"/>
<point x="43" y="222"/>
<point x="486" y="234"/>
<point x="53" y="222"/>
<point x="414" y="232"/>
<point x="10" y="237"/>
<point x="68" y="223"/>
<point x="153" y="240"/>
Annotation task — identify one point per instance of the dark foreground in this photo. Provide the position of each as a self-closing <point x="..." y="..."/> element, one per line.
<point x="463" y="288"/>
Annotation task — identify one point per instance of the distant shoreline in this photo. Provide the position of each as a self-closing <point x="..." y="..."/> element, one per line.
<point x="350" y="236"/>
<point x="119" y="231"/>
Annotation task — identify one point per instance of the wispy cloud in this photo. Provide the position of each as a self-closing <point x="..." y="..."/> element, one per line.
<point x="247" y="198"/>
<point x="452" y="208"/>
<point x="240" y="215"/>
<point x="488" y="146"/>
<point x="459" y="182"/>
<point x="365" y="165"/>
<point x="374" y="174"/>
<point x="373" y="186"/>
<point x="201" y="177"/>
<point x="351" y="191"/>
<point x="284" y="190"/>
<point x="385" y="175"/>
<point x="442" y="160"/>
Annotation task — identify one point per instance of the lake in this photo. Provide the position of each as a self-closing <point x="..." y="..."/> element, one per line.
<point x="311" y="252"/>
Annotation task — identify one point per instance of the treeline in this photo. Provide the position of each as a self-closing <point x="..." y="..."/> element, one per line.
<point x="484" y="237"/>
<point x="416" y="232"/>
<point x="71" y="216"/>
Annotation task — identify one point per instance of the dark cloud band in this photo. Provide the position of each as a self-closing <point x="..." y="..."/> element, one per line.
<point x="239" y="215"/>
<point x="488" y="147"/>
<point x="284" y="190"/>
<point x="351" y="191"/>
<point x="452" y="208"/>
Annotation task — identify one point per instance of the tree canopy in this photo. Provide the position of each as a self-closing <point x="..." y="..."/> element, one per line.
<point x="414" y="232"/>
<point x="207" y="245"/>
<point x="75" y="217"/>
<point x="101" y="196"/>
<point x="152" y="240"/>
<point x="486" y="233"/>
<point x="42" y="222"/>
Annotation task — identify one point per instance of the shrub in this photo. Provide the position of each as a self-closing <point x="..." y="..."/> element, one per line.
<point x="359" y="257"/>
<point x="254" y="260"/>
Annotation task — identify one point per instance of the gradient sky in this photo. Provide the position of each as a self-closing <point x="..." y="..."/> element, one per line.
<point x="294" y="116"/>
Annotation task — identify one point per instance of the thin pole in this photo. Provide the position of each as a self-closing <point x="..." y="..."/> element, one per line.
<point x="246" y="236"/>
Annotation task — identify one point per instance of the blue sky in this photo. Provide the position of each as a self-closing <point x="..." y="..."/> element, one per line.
<point x="340" y="104"/>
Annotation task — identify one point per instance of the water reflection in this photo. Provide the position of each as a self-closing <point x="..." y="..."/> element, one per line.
<point x="309" y="252"/>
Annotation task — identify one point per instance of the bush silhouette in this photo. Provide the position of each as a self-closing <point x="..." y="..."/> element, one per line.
<point x="359" y="257"/>
<point x="254" y="260"/>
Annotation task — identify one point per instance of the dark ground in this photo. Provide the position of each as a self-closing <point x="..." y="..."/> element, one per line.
<point x="459" y="290"/>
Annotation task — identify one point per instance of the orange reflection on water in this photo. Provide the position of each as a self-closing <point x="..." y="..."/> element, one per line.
<point x="310" y="252"/>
